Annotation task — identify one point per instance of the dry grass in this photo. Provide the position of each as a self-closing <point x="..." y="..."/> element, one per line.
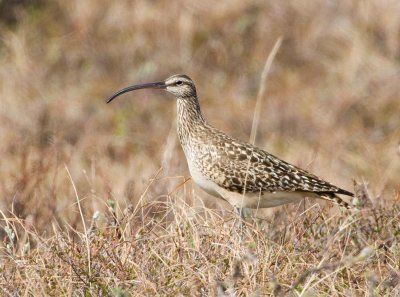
<point x="94" y="199"/>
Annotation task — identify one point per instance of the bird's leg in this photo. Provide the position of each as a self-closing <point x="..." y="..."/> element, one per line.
<point x="239" y="211"/>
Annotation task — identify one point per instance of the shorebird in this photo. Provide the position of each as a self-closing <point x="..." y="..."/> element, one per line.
<point x="238" y="172"/>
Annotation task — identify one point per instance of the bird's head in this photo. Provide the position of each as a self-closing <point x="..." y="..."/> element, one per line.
<point x="179" y="85"/>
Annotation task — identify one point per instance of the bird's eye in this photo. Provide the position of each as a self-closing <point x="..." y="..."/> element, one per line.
<point x="179" y="82"/>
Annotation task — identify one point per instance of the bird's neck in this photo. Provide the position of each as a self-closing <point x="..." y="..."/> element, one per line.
<point x="190" y="119"/>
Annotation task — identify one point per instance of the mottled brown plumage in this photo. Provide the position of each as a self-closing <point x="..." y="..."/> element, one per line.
<point x="236" y="171"/>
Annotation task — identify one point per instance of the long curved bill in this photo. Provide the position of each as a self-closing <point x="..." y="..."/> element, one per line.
<point x="153" y="85"/>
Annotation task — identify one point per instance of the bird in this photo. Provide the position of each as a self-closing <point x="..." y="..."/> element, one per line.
<point x="236" y="171"/>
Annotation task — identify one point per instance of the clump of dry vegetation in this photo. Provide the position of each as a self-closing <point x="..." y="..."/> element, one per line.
<point x="170" y="248"/>
<point x="95" y="199"/>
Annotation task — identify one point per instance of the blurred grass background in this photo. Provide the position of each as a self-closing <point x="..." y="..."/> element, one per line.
<point x="332" y="106"/>
<point x="332" y="103"/>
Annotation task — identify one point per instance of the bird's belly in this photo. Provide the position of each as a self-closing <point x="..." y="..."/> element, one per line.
<point x="254" y="200"/>
<point x="271" y="199"/>
<point x="249" y="200"/>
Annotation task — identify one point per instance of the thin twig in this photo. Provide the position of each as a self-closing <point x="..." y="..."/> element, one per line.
<point x="83" y="221"/>
<point x="262" y="89"/>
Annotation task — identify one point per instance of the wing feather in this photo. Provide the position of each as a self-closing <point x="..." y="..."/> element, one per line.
<point x="241" y="167"/>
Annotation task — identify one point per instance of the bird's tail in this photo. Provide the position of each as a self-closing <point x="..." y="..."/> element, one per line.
<point x="331" y="197"/>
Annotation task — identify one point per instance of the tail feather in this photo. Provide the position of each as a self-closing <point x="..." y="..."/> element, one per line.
<point x="336" y="199"/>
<point x="344" y="192"/>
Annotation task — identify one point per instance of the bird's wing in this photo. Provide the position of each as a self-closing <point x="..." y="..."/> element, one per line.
<point x="241" y="167"/>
